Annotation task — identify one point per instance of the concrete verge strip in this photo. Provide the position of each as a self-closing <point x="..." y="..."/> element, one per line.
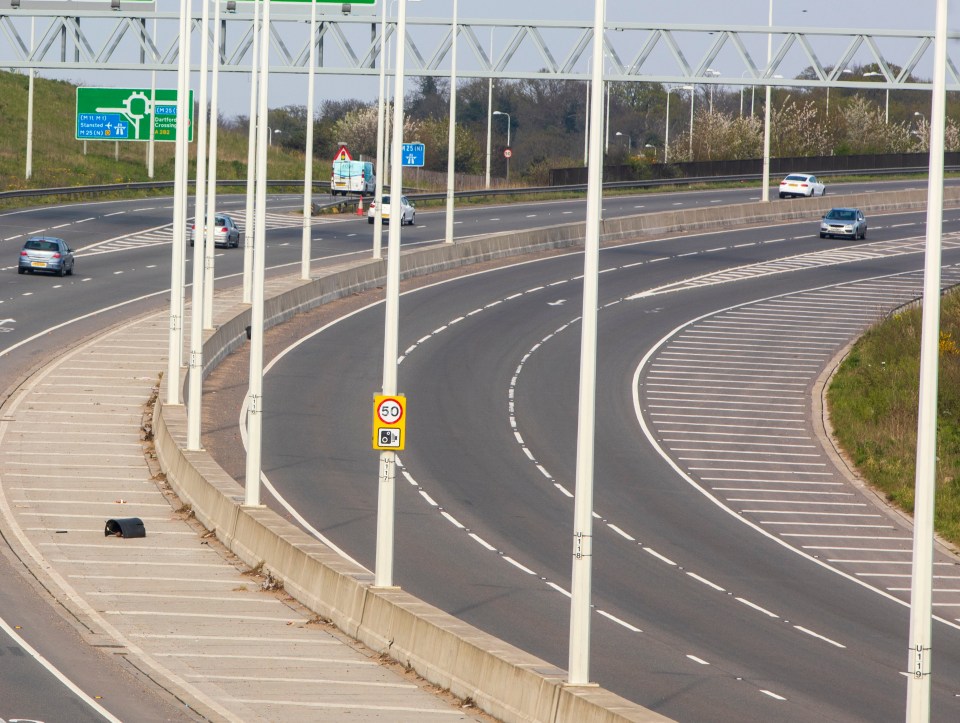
<point x="502" y="680"/>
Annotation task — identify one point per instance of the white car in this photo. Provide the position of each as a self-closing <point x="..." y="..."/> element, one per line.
<point x="801" y="184"/>
<point x="407" y="212"/>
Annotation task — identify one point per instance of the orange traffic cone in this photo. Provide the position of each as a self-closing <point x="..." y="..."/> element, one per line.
<point x="360" y="206"/>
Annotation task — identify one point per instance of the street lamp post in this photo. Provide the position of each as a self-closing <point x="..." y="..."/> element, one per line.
<point x="693" y="95"/>
<point x="765" y="183"/>
<point x="509" y="122"/>
<point x="452" y="130"/>
<point x="629" y="140"/>
<point x="886" y="112"/>
<point x="713" y="74"/>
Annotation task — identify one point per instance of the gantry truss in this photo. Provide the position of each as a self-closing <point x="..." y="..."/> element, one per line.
<point x="537" y="49"/>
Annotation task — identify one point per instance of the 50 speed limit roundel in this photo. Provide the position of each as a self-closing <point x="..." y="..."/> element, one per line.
<point x="389" y="422"/>
<point x="390" y="410"/>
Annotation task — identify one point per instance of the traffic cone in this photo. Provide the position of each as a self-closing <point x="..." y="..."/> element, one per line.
<point x="360" y="206"/>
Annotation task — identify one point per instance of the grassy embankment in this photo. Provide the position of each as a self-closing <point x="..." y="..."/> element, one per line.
<point x="873" y="410"/>
<point x="59" y="160"/>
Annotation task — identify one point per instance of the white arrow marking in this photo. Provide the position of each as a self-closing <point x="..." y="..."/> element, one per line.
<point x="558" y="302"/>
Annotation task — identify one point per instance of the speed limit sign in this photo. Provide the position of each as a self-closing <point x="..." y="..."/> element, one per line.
<point x="507" y="153"/>
<point x="389" y="422"/>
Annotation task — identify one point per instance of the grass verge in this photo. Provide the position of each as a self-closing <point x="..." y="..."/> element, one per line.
<point x="873" y="401"/>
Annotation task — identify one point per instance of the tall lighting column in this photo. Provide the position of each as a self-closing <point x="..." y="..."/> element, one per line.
<point x="921" y="589"/>
<point x="452" y="134"/>
<point x="765" y="190"/>
<point x="582" y="572"/>
<point x="386" y="490"/>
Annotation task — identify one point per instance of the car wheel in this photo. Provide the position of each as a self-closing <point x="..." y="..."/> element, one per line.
<point x="823" y="235"/>
<point x="21" y="270"/>
<point x="62" y="271"/>
<point x="70" y="270"/>
<point x="783" y="195"/>
<point x="369" y="219"/>
<point x="413" y="218"/>
<point x="864" y="234"/>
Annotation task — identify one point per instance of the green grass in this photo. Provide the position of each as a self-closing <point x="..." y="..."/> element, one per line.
<point x="873" y="401"/>
<point x="59" y="160"/>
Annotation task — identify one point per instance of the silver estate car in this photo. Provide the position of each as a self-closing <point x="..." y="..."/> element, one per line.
<point x="848" y="222"/>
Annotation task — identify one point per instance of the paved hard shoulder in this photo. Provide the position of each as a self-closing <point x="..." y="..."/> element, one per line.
<point x="219" y="637"/>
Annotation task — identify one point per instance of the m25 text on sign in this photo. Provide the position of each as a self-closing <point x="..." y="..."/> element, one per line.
<point x="127" y="114"/>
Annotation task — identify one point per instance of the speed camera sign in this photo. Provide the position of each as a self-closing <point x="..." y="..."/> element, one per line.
<point x="389" y="422"/>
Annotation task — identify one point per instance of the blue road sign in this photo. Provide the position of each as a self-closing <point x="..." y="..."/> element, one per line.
<point x="102" y="126"/>
<point x="413" y="154"/>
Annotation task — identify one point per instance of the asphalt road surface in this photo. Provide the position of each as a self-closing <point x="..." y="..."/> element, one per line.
<point x="712" y="602"/>
<point x="123" y="269"/>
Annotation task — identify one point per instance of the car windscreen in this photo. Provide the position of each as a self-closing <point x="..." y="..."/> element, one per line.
<point x="842" y="215"/>
<point x="39" y="245"/>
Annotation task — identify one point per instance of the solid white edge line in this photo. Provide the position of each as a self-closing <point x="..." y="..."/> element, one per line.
<point x="772" y="694"/>
<point x="695" y="659"/>
<point x="69" y="684"/>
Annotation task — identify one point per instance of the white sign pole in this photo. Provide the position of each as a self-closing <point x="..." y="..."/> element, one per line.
<point x="383" y="573"/>
<point x="175" y="349"/>
<point x="28" y="171"/>
<point x="381" y="132"/>
<point x="921" y="592"/>
<point x="248" y="227"/>
<point x="765" y="187"/>
<point x="195" y="374"/>
<point x="305" y="251"/>
<point x="580" y="593"/>
<point x="452" y="134"/>
<point x="255" y="392"/>
<point x="208" y="257"/>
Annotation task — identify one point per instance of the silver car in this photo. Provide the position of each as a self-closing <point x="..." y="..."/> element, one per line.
<point x="847" y="222"/>
<point x="225" y="231"/>
<point x="46" y="253"/>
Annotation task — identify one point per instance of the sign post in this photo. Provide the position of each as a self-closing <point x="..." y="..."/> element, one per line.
<point x="128" y="114"/>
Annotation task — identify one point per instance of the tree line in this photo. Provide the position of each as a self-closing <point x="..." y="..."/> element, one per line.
<point x="548" y="123"/>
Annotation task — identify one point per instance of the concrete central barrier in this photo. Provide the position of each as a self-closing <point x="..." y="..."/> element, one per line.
<point x="502" y="680"/>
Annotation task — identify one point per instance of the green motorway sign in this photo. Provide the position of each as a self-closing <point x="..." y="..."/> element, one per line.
<point x="322" y="2"/>
<point x="125" y="114"/>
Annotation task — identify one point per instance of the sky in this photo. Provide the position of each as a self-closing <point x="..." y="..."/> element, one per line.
<point x="290" y="89"/>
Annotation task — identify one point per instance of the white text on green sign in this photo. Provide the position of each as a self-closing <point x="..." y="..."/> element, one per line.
<point x="127" y="114"/>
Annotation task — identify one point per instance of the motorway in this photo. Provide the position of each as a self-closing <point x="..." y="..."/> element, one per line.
<point x="123" y="257"/>
<point x="737" y="574"/>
